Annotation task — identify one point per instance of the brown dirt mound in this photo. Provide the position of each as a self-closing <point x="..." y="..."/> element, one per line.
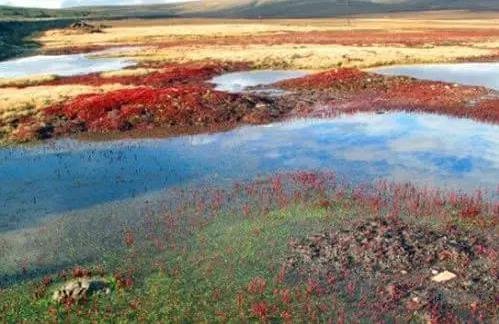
<point x="399" y="265"/>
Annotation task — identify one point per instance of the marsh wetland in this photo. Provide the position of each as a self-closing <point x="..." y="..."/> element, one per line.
<point x="249" y="189"/>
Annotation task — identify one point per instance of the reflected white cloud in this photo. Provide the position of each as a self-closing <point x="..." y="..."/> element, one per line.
<point x="449" y="153"/>
<point x="415" y="144"/>
<point x="364" y="154"/>
<point x="61" y="65"/>
<point x="239" y="81"/>
<point x="479" y="74"/>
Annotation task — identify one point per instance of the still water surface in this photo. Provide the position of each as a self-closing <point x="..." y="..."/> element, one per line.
<point x="61" y="65"/>
<point x="474" y="74"/>
<point x="240" y="81"/>
<point x="67" y="175"/>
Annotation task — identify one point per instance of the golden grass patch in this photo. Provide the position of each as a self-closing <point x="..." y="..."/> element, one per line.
<point x="158" y="33"/>
<point x="25" y="81"/>
<point x="189" y="40"/>
<point x="314" y="57"/>
<point x="142" y="32"/>
<point x="127" y="72"/>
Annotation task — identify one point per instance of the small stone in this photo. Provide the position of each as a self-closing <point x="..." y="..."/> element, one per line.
<point x="403" y="272"/>
<point x="77" y="289"/>
<point x="434" y="272"/>
<point x="443" y="276"/>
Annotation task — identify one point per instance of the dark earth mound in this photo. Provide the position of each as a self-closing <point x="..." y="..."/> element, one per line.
<point x="404" y="268"/>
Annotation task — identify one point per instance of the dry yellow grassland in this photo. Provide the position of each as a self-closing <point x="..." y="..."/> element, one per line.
<point x="313" y="57"/>
<point x="297" y="56"/>
<point x="127" y="72"/>
<point x="154" y="33"/>
<point x="134" y="32"/>
<point x="38" y="79"/>
<point x="25" y="81"/>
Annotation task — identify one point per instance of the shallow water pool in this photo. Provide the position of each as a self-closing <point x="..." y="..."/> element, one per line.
<point x="61" y="65"/>
<point x="68" y="175"/>
<point x="473" y="74"/>
<point x="240" y="81"/>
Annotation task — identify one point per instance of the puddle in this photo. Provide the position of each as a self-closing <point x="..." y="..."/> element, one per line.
<point x="68" y="175"/>
<point x="241" y="81"/>
<point x="473" y="74"/>
<point x="61" y="65"/>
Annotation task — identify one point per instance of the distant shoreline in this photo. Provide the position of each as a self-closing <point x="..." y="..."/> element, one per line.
<point x="15" y="38"/>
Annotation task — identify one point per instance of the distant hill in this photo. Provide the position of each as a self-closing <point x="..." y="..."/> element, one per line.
<point x="323" y="8"/>
<point x="18" y="24"/>
<point x="253" y="9"/>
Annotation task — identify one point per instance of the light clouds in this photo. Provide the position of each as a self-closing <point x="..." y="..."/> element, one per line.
<point x="73" y="3"/>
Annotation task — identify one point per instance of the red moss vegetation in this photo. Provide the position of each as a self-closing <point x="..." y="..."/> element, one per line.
<point x="350" y="90"/>
<point x="178" y="98"/>
<point x="167" y="76"/>
<point x="436" y="37"/>
<point x="338" y="78"/>
<point x="489" y="108"/>
<point x="124" y="109"/>
<point x="183" y="108"/>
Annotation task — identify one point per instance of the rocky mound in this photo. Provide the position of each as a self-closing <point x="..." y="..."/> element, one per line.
<point x="409" y="268"/>
<point x="83" y="26"/>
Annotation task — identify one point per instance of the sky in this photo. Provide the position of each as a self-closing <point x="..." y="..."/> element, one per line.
<point x="73" y="3"/>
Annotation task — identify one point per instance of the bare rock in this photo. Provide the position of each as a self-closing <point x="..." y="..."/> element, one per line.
<point x="80" y="288"/>
<point x="443" y="276"/>
<point x="86" y="27"/>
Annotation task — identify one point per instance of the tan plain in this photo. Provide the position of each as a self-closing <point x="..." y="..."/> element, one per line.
<point x="299" y="56"/>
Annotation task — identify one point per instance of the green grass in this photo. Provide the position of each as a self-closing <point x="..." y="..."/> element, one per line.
<point x="220" y="260"/>
<point x="210" y="257"/>
<point x="230" y="252"/>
